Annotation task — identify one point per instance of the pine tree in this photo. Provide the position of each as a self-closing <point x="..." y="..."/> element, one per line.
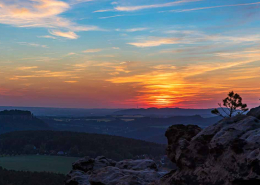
<point x="232" y="105"/>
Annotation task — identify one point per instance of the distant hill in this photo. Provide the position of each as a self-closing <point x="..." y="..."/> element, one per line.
<point x="144" y="128"/>
<point x="76" y="145"/>
<point x="166" y="112"/>
<point x="16" y="120"/>
<point x="63" y="112"/>
<point x="150" y="112"/>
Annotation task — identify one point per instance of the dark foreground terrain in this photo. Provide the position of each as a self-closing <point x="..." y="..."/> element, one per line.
<point x="10" y="177"/>
<point x="226" y="153"/>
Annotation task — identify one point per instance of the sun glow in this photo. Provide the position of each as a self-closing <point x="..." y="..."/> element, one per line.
<point x="73" y="54"/>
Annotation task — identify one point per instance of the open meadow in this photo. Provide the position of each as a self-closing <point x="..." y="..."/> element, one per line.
<point x="38" y="163"/>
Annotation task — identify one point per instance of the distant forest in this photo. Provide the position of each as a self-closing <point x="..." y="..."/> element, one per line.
<point x="76" y="145"/>
<point x="10" y="177"/>
<point x="15" y="112"/>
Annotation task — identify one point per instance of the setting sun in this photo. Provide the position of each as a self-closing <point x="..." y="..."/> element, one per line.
<point x="104" y="58"/>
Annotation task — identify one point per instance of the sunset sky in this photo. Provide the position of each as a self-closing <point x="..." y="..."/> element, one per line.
<point x="124" y="53"/>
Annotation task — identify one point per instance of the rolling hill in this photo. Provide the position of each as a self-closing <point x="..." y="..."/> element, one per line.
<point x="76" y="144"/>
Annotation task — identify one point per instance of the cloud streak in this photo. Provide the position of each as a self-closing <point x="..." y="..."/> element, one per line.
<point x="142" y="7"/>
<point x="168" y="85"/>
<point x="32" y="44"/>
<point x="194" y="37"/>
<point x="136" y="29"/>
<point x="155" y="42"/>
<point x="69" y="34"/>
<point x="92" y="51"/>
<point x="39" y="13"/>
<point x="213" y="7"/>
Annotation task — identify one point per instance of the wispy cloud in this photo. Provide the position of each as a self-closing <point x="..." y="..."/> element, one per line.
<point x="47" y="37"/>
<point x="194" y="37"/>
<point x="136" y="29"/>
<point x="111" y="16"/>
<point x="45" y="74"/>
<point x="213" y="7"/>
<point x="141" y="7"/>
<point x="106" y="10"/>
<point x="92" y="51"/>
<point x="155" y="42"/>
<point x="73" y="2"/>
<point x="167" y="87"/>
<point x="69" y="34"/>
<point x="39" y="13"/>
<point x="163" y="67"/>
<point x="32" y="44"/>
<point x="71" y="82"/>
<point x="70" y="54"/>
<point x="27" y="68"/>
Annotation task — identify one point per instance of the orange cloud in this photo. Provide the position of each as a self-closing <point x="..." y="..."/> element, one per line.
<point x="92" y="51"/>
<point x="155" y="42"/>
<point x="69" y="35"/>
<point x="165" y="88"/>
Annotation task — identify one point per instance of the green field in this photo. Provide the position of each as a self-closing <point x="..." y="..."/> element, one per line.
<point x="56" y="164"/>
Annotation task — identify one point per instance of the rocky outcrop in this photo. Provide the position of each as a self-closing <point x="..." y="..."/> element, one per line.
<point x="226" y="153"/>
<point x="254" y="112"/>
<point x="178" y="138"/>
<point x="103" y="171"/>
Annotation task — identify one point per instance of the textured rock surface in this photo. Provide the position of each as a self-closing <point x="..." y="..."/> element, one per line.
<point x="254" y="112"/>
<point x="226" y="153"/>
<point x="103" y="171"/>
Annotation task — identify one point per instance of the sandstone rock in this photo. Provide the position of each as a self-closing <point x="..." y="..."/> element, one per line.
<point x="178" y="138"/>
<point x="76" y="177"/>
<point x="226" y="153"/>
<point x="254" y="112"/>
<point x="103" y="171"/>
<point x="145" y="164"/>
<point x="115" y="176"/>
<point x="88" y="164"/>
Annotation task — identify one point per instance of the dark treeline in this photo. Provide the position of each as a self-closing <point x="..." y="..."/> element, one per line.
<point x="10" y="177"/>
<point x="16" y="120"/>
<point x="76" y="144"/>
<point x="15" y="112"/>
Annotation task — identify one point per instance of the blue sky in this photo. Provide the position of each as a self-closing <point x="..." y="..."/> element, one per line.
<point x="101" y="53"/>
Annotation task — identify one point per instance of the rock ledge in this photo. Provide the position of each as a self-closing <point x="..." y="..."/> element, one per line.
<point x="103" y="171"/>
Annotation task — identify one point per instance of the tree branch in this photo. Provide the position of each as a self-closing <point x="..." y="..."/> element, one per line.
<point x="222" y="109"/>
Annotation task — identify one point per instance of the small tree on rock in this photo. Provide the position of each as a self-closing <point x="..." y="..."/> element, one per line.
<point x="232" y="105"/>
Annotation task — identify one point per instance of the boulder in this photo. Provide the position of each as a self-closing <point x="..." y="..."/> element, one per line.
<point x="88" y="164"/>
<point x="254" y="112"/>
<point x="76" y="177"/>
<point x="103" y="171"/>
<point x="178" y="138"/>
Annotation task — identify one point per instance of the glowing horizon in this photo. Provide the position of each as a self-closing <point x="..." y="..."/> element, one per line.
<point x="120" y="54"/>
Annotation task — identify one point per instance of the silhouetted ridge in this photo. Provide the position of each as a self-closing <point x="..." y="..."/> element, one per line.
<point x="15" y="112"/>
<point x="16" y="120"/>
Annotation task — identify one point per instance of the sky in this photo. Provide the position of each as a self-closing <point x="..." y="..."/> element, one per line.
<point x="128" y="54"/>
